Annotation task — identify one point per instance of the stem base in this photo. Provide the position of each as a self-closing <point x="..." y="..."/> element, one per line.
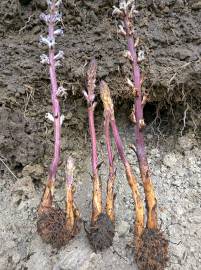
<point x="97" y="199"/>
<point x="47" y="198"/>
<point x="110" y="198"/>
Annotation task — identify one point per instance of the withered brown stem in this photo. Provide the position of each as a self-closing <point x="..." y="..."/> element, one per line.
<point x="112" y="174"/>
<point x="71" y="211"/>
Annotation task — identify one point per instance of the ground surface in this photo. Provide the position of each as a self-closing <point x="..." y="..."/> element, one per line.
<point x="177" y="178"/>
<point x="170" y="37"/>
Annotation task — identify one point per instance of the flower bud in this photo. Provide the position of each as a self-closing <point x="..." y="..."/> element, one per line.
<point x="44" y="59"/>
<point x="49" y="116"/>
<point x="59" y="32"/>
<point x="59" y="56"/>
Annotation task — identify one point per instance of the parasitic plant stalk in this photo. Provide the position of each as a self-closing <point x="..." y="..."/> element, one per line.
<point x="90" y="97"/>
<point x="154" y="250"/>
<point x="54" y="225"/>
<point x="128" y="11"/>
<point x="112" y="173"/>
<point x="52" y="60"/>
<point x="101" y="230"/>
<point x="151" y="202"/>
<point x="109" y="112"/>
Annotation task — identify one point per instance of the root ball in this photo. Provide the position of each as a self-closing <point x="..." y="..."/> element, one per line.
<point x="51" y="227"/>
<point x="152" y="254"/>
<point x="101" y="233"/>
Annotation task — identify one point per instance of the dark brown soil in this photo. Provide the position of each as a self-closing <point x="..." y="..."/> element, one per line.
<point x="153" y="253"/>
<point x="51" y="226"/>
<point x="101" y="233"/>
<point x="170" y="37"/>
<point x="20" y="141"/>
<point x="169" y="32"/>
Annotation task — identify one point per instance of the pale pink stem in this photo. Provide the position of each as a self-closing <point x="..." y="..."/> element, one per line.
<point x="54" y="98"/>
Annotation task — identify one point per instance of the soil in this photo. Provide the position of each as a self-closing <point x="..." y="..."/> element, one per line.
<point x="170" y="38"/>
<point x="176" y="174"/>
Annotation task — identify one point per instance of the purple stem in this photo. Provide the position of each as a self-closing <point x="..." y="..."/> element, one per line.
<point x="118" y="142"/>
<point x="140" y="146"/>
<point x="90" y="96"/>
<point x="54" y="98"/>
<point x="151" y="201"/>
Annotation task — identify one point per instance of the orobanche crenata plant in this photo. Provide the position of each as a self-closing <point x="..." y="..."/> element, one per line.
<point x="56" y="226"/>
<point x="151" y="251"/>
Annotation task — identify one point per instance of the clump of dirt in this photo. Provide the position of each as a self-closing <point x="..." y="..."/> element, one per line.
<point x="101" y="233"/>
<point x="152" y="254"/>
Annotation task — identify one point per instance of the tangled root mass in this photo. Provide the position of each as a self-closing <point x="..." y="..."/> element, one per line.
<point x="51" y="226"/>
<point x="152" y="253"/>
<point x="101" y="233"/>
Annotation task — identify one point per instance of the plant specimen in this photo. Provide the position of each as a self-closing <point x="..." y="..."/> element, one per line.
<point x="112" y="172"/>
<point x="101" y="231"/>
<point x="109" y="115"/>
<point x="52" y="60"/>
<point x="153" y="253"/>
<point x="53" y="224"/>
